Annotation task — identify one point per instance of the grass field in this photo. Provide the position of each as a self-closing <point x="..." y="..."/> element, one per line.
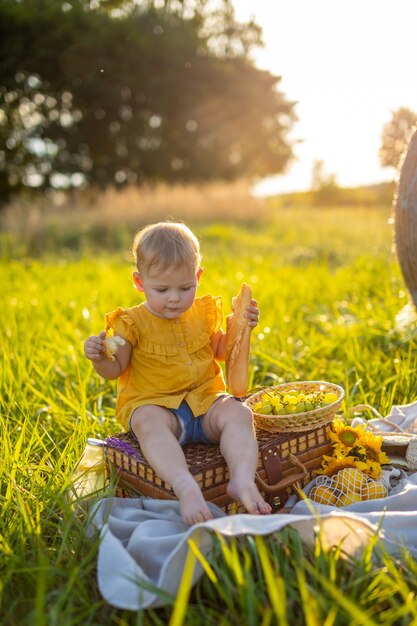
<point x="329" y="291"/>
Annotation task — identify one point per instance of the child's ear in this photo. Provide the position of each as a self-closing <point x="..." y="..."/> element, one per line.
<point x="137" y="281"/>
<point x="198" y="273"/>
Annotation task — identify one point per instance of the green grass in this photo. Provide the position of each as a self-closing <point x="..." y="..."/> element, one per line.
<point x="329" y="290"/>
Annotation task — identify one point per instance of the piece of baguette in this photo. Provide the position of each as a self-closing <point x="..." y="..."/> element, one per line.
<point x="111" y="346"/>
<point x="238" y="335"/>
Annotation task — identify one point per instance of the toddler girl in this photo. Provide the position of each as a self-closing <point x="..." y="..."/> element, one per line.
<point x="171" y="390"/>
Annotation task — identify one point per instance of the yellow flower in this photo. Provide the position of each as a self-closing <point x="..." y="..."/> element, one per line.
<point x="371" y="442"/>
<point x="371" y="445"/>
<point x="383" y="459"/>
<point x="373" y="455"/>
<point x="370" y="468"/>
<point x="344" y="436"/>
<point x="375" y="470"/>
<point x="330" y="464"/>
<point x="353" y="447"/>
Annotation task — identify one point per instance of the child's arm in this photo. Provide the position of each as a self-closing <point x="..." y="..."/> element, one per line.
<point x="218" y="345"/>
<point x="94" y="351"/>
<point x="218" y="340"/>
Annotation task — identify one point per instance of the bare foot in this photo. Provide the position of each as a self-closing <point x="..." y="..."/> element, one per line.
<point x="248" y="494"/>
<point x="193" y="507"/>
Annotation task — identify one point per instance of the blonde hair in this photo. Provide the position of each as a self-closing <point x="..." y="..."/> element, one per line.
<point x="164" y="245"/>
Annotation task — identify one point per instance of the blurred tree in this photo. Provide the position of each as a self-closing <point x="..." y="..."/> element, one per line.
<point x="324" y="187"/>
<point x="395" y="137"/>
<point x="114" y="92"/>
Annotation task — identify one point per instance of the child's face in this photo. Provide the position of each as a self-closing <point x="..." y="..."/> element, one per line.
<point x="170" y="292"/>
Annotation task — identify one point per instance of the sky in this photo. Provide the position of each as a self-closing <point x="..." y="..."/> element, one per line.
<point x="347" y="64"/>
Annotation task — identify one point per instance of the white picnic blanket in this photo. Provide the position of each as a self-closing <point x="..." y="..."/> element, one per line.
<point x="144" y="541"/>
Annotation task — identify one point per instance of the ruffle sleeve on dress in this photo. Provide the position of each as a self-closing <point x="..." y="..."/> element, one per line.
<point x="123" y="324"/>
<point x="214" y="313"/>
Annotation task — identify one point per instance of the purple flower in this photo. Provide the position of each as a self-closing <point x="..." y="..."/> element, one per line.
<point x="123" y="446"/>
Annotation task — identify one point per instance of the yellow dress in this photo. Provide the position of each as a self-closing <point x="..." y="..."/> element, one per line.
<point x="171" y="361"/>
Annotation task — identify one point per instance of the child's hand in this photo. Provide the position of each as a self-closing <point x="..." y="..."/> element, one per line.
<point x="252" y="314"/>
<point x="94" y="347"/>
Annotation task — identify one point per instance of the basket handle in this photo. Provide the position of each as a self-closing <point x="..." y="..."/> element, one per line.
<point x="285" y="482"/>
<point x="368" y="407"/>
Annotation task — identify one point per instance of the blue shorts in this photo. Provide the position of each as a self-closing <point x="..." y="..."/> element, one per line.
<point x="191" y="427"/>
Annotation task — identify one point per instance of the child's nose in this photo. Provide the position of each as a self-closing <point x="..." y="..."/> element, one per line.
<point x="173" y="296"/>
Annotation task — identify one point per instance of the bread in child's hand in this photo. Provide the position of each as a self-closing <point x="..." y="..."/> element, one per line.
<point x="111" y="346"/>
<point x="238" y="334"/>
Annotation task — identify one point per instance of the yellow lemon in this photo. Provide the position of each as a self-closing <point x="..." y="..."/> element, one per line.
<point x="323" y="494"/>
<point x="349" y="479"/>
<point x="348" y="498"/>
<point x="373" y="489"/>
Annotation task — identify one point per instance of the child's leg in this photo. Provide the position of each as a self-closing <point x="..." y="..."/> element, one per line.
<point x="230" y="422"/>
<point x="157" y="429"/>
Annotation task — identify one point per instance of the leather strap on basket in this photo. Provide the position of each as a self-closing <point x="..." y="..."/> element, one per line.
<point x="277" y="487"/>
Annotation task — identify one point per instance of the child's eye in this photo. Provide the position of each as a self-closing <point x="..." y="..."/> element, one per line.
<point x="161" y="290"/>
<point x="185" y="288"/>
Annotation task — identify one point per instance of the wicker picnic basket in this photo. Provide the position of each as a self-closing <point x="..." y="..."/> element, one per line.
<point x="285" y="462"/>
<point x="297" y="422"/>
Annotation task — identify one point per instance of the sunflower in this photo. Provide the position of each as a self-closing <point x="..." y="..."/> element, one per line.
<point x="372" y="445"/>
<point x="371" y="441"/>
<point x="370" y="468"/>
<point x="344" y="437"/>
<point x="332" y="464"/>
<point x="371" y="454"/>
<point x="354" y="447"/>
